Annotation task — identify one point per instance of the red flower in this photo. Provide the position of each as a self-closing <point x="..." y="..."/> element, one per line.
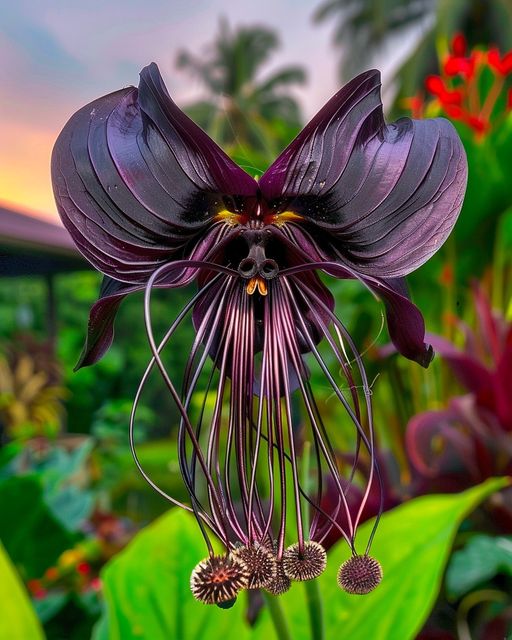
<point x="95" y="584"/>
<point x="84" y="568"/>
<point x="435" y="85"/>
<point x="36" y="589"/>
<point x="415" y="104"/>
<point x="500" y="64"/>
<point x="52" y="574"/>
<point x="455" y="65"/>
<point x="455" y="112"/>
<point x="479" y="125"/>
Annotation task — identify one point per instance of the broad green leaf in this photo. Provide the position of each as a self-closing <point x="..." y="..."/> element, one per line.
<point x="413" y="543"/>
<point x="17" y="618"/>
<point x="32" y="536"/>
<point x="147" y="585"/>
<point x="147" y="589"/>
<point x="480" y="560"/>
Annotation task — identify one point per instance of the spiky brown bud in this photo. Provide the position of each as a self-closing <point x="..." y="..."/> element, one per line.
<point x="306" y="565"/>
<point x="218" y="579"/>
<point x="281" y="583"/>
<point x="259" y="563"/>
<point x="359" y="575"/>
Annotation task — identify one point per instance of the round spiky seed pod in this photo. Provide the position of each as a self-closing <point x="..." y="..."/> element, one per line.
<point x="218" y="579"/>
<point x="359" y="575"/>
<point x="306" y="565"/>
<point x="259" y="563"/>
<point x="281" y="583"/>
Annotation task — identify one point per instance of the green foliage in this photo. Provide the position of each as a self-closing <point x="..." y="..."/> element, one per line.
<point x="147" y="592"/>
<point x="368" y="28"/>
<point x="30" y="532"/>
<point x="480" y="560"/>
<point x="251" y="117"/>
<point x="364" y="28"/>
<point x="17" y="618"/>
<point x="58" y="471"/>
<point x="487" y="196"/>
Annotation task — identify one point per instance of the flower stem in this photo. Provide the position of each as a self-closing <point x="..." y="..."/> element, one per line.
<point x="277" y="616"/>
<point x="313" y="594"/>
<point x="315" y="609"/>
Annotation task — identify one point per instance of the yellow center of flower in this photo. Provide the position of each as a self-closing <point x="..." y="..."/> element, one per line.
<point x="274" y="218"/>
<point x="280" y="218"/>
<point x="229" y="217"/>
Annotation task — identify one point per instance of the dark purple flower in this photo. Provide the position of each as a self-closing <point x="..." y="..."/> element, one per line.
<point x="152" y="201"/>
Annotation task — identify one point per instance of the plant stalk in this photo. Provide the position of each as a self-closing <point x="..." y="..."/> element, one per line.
<point x="277" y="616"/>
<point x="313" y="594"/>
<point x="315" y="609"/>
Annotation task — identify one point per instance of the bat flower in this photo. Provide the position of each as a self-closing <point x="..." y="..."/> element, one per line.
<point x="151" y="201"/>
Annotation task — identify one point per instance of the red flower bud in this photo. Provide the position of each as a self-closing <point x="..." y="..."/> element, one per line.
<point x="459" y="45"/>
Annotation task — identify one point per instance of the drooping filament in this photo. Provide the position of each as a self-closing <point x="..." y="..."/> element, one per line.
<point x="246" y="405"/>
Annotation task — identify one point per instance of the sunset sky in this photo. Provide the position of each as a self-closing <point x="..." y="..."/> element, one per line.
<point x="56" y="56"/>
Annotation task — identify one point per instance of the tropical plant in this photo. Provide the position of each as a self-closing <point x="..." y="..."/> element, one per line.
<point x="30" y="393"/>
<point x="243" y="111"/>
<point x="364" y="28"/>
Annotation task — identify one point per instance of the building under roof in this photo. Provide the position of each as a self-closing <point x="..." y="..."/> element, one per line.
<point x="32" y="246"/>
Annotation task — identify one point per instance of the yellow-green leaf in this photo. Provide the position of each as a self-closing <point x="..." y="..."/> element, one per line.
<point x="18" y="620"/>
<point x="413" y="543"/>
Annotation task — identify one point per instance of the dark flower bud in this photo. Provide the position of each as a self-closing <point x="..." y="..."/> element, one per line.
<point x="259" y="563"/>
<point x="306" y="565"/>
<point x="227" y="604"/>
<point x="359" y="575"/>
<point x="218" y="579"/>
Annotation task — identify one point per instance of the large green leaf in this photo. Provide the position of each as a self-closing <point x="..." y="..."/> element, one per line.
<point x="32" y="535"/>
<point x="17" y="618"/>
<point x="413" y="544"/>
<point x="147" y="585"/>
<point x="147" y="589"/>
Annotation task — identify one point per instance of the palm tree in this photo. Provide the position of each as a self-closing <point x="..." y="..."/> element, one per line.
<point x="365" y="27"/>
<point x="246" y="114"/>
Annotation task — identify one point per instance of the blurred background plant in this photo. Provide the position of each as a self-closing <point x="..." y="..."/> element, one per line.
<point x="30" y="393"/>
<point x="251" y="117"/>
<point x="71" y="497"/>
